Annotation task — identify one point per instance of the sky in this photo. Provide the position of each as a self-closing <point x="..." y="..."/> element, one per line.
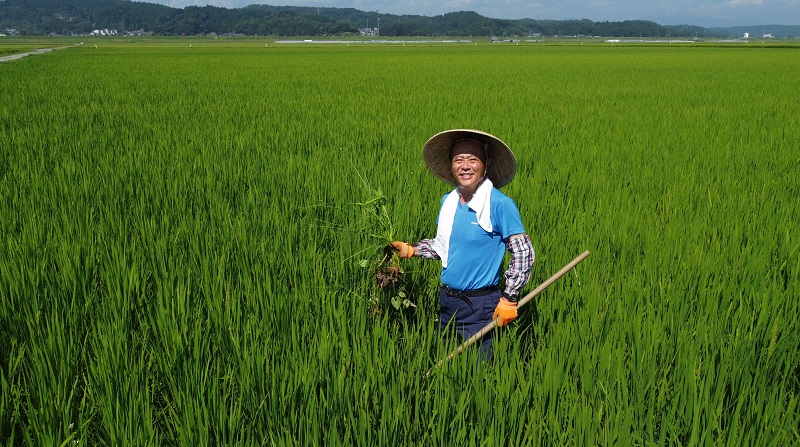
<point x="706" y="13"/>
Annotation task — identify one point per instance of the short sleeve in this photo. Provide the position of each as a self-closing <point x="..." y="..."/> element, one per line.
<point x="506" y="219"/>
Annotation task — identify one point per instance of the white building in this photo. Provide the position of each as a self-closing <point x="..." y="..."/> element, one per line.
<point x="104" y="32"/>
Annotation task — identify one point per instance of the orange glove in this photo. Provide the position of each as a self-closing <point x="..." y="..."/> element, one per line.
<point x="505" y="312"/>
<point x="402" y="249"/>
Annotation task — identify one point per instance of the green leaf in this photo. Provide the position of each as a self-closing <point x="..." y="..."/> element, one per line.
<point x="397" y="302"/>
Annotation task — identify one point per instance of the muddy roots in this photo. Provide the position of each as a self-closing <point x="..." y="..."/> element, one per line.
<point x="388" y="276"/>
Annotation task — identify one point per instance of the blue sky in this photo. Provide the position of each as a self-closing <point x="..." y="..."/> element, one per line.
<point x="666" y="12"/>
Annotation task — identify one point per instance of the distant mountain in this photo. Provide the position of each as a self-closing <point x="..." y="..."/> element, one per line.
<point x="706" y="22"/>
<point x="70" y="17"/>
<point x="730" y="27"/>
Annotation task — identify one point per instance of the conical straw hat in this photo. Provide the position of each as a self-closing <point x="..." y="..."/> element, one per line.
<point x="436" y="152"/>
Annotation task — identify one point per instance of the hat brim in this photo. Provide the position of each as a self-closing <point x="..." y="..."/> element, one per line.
<point x="436" y="152"/>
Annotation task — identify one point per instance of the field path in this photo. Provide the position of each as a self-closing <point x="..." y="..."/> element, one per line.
<point x="21" y="55"/>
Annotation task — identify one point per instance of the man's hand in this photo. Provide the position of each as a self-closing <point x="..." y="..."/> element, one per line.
<point x="402" y="249"/>
<point x="505" y="312"/>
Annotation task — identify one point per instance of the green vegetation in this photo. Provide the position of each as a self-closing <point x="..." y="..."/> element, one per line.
<point x="68" y="17"/>
<point x="165" y="279"/>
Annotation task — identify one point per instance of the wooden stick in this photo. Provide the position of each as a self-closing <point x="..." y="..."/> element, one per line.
<point x="486" y="329"/>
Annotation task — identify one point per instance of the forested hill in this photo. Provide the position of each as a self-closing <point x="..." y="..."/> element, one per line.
<point x="65" y="17"/>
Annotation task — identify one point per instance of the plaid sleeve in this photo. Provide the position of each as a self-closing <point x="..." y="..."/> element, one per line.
<point x="424" y="249"/>
<point x="519" y="269"/>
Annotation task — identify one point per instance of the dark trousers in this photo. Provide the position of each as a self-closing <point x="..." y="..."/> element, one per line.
<point x="464" y="316"/>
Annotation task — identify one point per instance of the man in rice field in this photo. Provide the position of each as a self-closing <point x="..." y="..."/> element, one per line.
<point x="476" y="225"/>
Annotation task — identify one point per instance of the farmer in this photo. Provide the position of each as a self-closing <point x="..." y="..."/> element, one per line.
<point x="476" y="225"/>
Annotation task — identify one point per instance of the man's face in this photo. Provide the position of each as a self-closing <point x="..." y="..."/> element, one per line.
<point x="468" y="164"/>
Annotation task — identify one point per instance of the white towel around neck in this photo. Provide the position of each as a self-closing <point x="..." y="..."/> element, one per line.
<point x="480" y="203"/>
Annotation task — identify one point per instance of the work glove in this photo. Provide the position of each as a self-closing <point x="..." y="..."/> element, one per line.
<point x="505" y="312"/>
<point x="402" y="249"/>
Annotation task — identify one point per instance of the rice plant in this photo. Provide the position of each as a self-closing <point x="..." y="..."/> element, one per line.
<point x="160" y="287"/>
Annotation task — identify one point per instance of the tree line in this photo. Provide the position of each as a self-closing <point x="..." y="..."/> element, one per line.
<point x="70" y="17"/>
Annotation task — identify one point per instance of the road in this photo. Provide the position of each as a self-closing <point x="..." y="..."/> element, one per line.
<point x="21" y="55"/>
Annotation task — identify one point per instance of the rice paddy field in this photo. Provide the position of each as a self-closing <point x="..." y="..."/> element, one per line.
<point x="184" y="224"/>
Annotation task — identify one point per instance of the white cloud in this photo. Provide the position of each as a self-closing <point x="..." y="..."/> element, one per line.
<point x="460" y="5"/>
<point x="745" y="2"/>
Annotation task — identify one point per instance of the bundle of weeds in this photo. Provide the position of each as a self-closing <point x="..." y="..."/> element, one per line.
<point x="371" y="222"/>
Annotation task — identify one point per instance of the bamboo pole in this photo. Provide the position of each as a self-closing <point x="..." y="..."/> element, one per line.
<point x="486" y="329"/>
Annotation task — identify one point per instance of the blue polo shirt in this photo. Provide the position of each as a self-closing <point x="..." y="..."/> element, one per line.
<point x="475" y="256"/>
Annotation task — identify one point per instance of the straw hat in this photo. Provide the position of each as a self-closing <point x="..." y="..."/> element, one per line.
<point x="436" y="152"/>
